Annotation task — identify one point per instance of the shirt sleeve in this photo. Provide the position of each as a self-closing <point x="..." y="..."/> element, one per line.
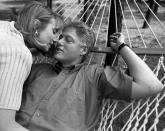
<point x="116" y="85"/>
<point x="15" y="66"/>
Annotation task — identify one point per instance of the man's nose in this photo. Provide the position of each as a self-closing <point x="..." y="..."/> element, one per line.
<point x="61" y="41"/>
<point x="55" y="39"/>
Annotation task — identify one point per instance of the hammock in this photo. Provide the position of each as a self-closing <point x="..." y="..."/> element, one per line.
<point x="144" y="114"/>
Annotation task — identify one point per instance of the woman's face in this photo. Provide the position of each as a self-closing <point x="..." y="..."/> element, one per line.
<point x="46" y="36"/>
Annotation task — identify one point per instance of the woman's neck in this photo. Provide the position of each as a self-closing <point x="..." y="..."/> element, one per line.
<point x="71" y="64"/>
<point x="29" y="45"/>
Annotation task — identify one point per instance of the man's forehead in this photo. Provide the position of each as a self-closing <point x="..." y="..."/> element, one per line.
<point x="59" y="24"/>
<point x="69" y="30"/>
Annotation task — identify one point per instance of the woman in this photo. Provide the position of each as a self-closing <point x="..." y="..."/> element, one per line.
<point x="35" y="27"/>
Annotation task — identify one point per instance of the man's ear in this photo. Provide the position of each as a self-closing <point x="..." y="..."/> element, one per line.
<point x="84" y="50"/>
<point x="36" y="24"/>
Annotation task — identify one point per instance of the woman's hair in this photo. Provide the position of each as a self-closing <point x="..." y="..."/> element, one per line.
<point x="26" y="17"/>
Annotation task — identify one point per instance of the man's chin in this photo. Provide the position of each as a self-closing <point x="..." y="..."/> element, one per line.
<point x="46" y="50"/>
<point x="57" y="56"/>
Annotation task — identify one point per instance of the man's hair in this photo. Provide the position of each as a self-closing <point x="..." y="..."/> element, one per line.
<point x="30" y="12"/>
<point x="85" y="34"/>
<point x="59" y="17"/>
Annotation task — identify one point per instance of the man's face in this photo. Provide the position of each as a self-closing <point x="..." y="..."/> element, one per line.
<point x="69" y="48"/>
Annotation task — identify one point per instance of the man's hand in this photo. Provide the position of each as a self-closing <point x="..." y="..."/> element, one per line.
<point x="145" y="82"/>
<point x="116" y="40"/>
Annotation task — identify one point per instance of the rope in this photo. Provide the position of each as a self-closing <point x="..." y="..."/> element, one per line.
<point x="106" y="40"/>
<point x="125" y="24"/>
<point x="159" y="5"/>
<point x="136" y="23"/>
<point x="148" y="24"/>
<point x="74" y="10"/>
<point x="154" y="15"/>
<point x="91" y="3"/>
<point x="98" y="30"/>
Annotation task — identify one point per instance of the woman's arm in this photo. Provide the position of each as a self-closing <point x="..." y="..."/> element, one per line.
<point x="15" y="66"/>
<point x="7" y="121"/>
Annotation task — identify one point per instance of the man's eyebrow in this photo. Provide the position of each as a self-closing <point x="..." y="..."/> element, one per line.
<point x="67" y="35"/>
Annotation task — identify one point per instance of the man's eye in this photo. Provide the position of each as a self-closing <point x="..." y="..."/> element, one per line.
<point x="68" y="39"/>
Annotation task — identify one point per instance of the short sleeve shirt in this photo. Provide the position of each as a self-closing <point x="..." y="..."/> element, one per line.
<point x="70" y="100"/>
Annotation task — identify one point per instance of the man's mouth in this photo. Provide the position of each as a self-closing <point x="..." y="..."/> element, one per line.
<point x="59" y="50"/>
<point x="51" y="50"/>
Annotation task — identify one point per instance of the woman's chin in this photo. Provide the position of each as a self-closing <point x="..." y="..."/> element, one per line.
<point x="45" y="49"/>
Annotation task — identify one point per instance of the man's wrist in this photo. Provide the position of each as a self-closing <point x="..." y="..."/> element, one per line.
<point x="121" y="47"/>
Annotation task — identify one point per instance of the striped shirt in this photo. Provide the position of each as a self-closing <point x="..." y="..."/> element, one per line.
<point x="15" y="66"/>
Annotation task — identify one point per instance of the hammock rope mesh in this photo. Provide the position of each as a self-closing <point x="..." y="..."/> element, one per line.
<point x="141" y="115"/>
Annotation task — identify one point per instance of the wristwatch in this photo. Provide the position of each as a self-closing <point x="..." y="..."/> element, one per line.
<point x="121" y="46"/>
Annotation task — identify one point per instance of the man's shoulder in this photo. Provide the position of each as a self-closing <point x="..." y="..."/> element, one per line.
<point x="44" y="66"/>
<point x="93" y="69"/>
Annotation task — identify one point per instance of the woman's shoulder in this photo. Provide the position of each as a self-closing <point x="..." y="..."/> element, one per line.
<point x="5" y="24"/>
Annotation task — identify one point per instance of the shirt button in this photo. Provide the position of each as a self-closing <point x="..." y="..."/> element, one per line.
<point x="37" y="114"/>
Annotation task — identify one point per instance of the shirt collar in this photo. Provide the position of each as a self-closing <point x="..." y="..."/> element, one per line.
<point x="15" y="30"/>
<point x="58" y="67"/>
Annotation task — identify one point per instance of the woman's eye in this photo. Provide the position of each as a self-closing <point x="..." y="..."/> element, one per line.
<point x="60" y="37"/>
<point x="54" y="31"/>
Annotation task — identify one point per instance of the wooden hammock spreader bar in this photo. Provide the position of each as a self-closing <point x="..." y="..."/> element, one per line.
<point x="140" y="51"/>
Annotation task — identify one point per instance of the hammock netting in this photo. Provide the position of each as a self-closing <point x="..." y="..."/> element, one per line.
<point x="141" y="33"/>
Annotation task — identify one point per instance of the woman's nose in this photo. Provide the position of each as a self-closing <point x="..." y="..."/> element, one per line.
<point x="56" y="37"/>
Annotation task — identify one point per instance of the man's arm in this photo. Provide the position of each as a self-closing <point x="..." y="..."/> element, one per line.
<point x="145" y="82"/>
<point x="7" y="121"/>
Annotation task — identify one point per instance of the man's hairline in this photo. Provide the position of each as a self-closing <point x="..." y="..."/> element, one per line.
<point x="74" y="28"/>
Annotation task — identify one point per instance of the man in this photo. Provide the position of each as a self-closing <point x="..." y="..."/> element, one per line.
<point x="68" y="97"/>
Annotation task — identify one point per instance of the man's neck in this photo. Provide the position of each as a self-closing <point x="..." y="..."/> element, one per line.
<point x="72" y="64"/>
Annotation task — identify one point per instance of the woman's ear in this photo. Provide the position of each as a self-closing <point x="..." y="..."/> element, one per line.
<point x="36" y="24"/>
